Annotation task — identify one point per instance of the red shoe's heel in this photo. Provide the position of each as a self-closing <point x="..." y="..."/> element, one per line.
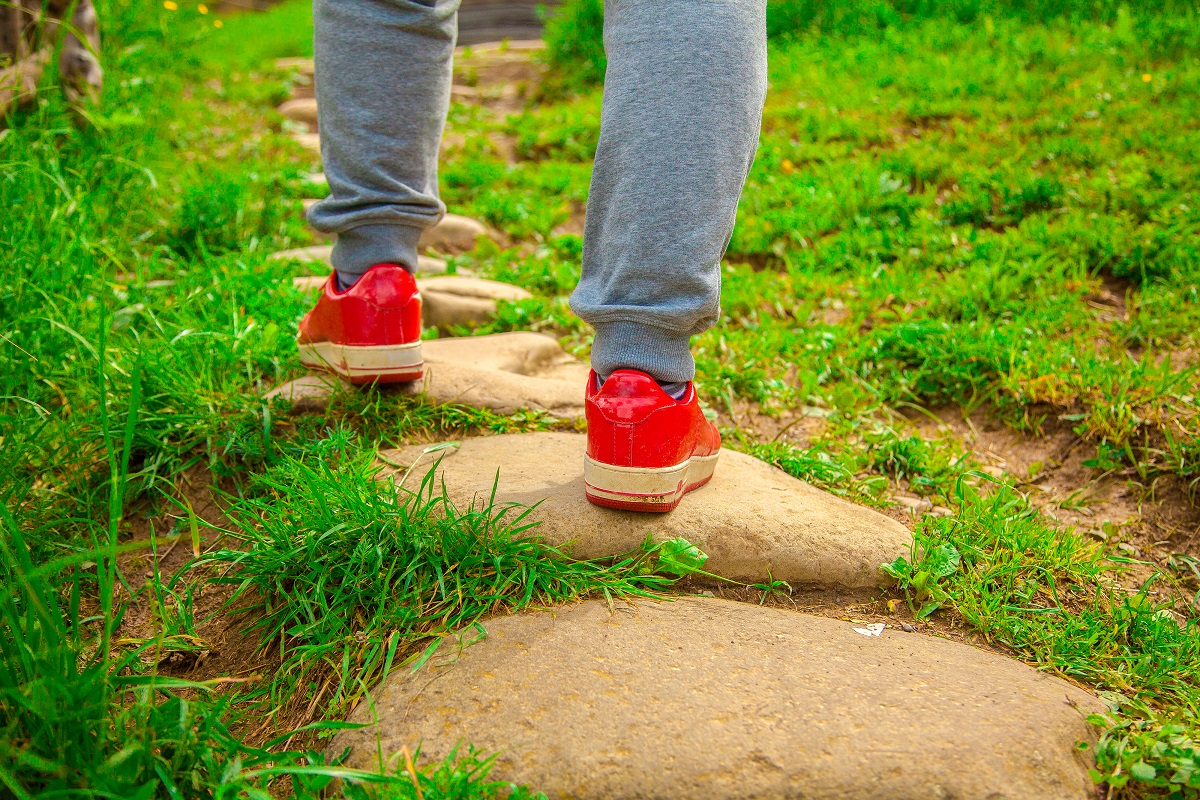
<point x="385" y="363"/>
<point x="655" y="489"/>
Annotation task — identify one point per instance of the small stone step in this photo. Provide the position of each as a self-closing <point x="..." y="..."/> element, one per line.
<point x="447" y="300"/>
<point x="308" y="394"/>
<point x="451" y="300"/>
<point x="310" y="283"/>
<point x="301" y="110"/>
<point x="302" y="65"/>
<point x="718" y="700"/>
<point x="321" y="254"/>
<point x="309" y="141"/>
<point x="502" y="372"/>
<point x="510" y="47"/>
<point x="453" y="235"/>
<point x="752" y="519"/>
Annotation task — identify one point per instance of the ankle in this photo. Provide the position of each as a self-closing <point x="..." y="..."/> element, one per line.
<point x="676" y="390"/>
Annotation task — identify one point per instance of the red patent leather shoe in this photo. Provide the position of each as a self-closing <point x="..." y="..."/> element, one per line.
<point x="645" y="450"/>
<point x="369" y="333"/>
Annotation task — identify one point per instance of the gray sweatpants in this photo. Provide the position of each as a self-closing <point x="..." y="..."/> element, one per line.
<point x="683" y="101"/>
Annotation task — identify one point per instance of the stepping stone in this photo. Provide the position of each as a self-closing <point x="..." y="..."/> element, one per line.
<point x="310" y="283"/>
<point x="453" y="235"/>
<point x="502" y="372"/>
<point x="707" y="698"/>
<point x="321" y="254"/>
<point x="752" y="519"/>
<point x="309" y="141"/>
<point x="301" y="110"/>
<point x="302" y="65"/>
<point x="447" y="300"/>
<point x="486" y="48"/>
<point x="450" y="300"/>
<point x="308" y="394"/>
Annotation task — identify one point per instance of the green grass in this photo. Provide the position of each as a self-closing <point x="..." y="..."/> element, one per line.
<point x="347" y="579"/>
<point x="945" y="199"/>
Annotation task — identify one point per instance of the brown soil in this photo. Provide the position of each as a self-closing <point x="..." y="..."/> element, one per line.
<point x="221" y="650"/>
<point x="1149" y="523"/>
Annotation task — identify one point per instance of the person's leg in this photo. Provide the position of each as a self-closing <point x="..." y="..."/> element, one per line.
<point x="383" y="75"/>
<point x="683" y="99"/>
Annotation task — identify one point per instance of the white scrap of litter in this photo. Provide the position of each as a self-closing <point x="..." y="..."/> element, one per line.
<point x="874" y="629"/>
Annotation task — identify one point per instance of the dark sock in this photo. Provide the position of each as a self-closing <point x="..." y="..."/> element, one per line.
<point x="675" y="391"/>
<point x="346" y="279"/>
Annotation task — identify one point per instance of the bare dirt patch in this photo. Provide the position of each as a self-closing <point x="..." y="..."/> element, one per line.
<point x="220" y="648"/>
<point x="1149" y="523"/>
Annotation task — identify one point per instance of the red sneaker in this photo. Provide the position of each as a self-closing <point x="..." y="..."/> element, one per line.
<point x="645" y="450"/>
<point x="370" y="332"/>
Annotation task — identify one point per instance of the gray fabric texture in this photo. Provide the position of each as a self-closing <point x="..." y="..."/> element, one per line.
<point x="683" y="101"/>
<point x="382" y="79"/>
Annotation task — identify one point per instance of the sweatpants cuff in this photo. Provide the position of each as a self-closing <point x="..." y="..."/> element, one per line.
<point x="664" y="354"/>
<point x="359" y="249"/>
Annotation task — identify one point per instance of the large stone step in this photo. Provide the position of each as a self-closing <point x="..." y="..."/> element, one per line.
<point x="714" y="699"/>
<point x="752" y="519"/>
<point x="501" y="372"/>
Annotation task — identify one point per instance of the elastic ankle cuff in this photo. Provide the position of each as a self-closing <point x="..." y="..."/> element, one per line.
<point x="359" y="249"/>
<point x="663" y="354"/>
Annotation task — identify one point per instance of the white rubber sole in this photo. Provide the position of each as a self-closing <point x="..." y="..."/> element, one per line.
<point x="645" y="488"/>
<point x="387" y="363"/>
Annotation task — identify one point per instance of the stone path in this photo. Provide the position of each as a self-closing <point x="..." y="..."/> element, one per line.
<point x="300" y="109"/>
<point x="447" y="300"/>
<point x="453" y="235"/>
<point x="706" y="698"/>
<point x="753" y="520"/>
<point x="450" y="300"/>
<point x="320" y="254"/>
<point x="696" y="698"/>
<point x="502" y="372"/>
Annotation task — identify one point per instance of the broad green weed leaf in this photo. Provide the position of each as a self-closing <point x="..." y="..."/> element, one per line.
<point x="680" y="557"/>
<point x="943" y="561"/>
<point x="1143" y="771"/>
<point x="898" y="569"/>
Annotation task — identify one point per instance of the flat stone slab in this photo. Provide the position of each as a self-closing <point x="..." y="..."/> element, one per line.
<point x="300" y="109"/>
<point x="454" y="234"/>
<point x="706" y="698"/>
<point x="309" y="393"/>
<point x="502" y="372"/>
<point x="300" y="64"/>
<point x="752" y="519"/>
<point x="309" y="141"/>
<point x="450" y="300"/>
<point x="321" y="254"/>
<point x="447" y="300"/>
